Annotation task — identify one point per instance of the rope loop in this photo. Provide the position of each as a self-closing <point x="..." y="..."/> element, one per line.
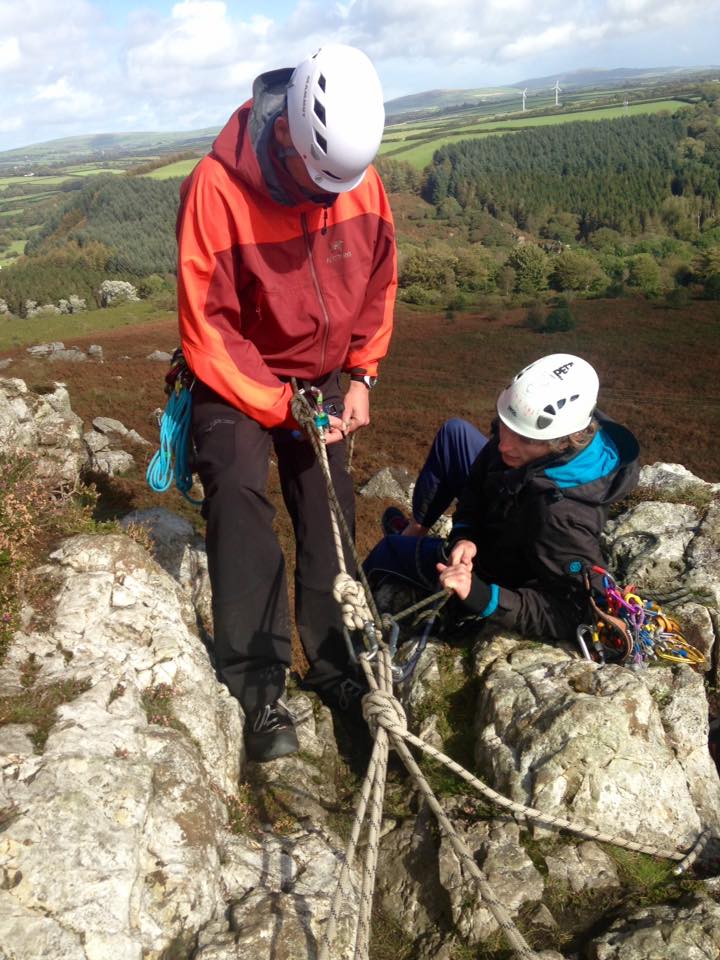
<point x="382" y="709"/>
<point x="352" y="599"/>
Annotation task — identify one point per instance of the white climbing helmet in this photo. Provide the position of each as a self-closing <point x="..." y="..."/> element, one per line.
<point x="551" y="398"/>
<point x="336" y="115"/>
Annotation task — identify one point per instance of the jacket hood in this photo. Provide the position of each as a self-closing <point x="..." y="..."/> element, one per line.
<point x="246" y="145"/>
<point x="602" y="473"/>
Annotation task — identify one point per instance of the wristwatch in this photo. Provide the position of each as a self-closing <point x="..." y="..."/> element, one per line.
<point x="364" y="378"/>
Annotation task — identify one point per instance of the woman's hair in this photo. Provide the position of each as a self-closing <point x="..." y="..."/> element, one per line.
<point x="575" y="442"/>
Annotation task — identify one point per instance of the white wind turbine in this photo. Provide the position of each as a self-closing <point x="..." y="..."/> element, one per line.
<point x="524" y="94"/>
<point x="556" y="88"/>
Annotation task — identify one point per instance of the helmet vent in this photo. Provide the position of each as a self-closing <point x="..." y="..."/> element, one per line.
<point x="561" y="403"/>
<point x="321" y="141"/>
<point x="542" y="422"/>
<point x="321" y="82"/>
<point x="575" y="396"/>
<point x="550" y="409"/>
<point x="319" y="111"/>
<point x="333" y="176"/>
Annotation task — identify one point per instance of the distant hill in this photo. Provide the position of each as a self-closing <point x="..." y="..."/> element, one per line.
<point x="103" y="146"/>
<point x="439" y="99"/>
<point x="621" y="76"/>
<point x="109" y="146"/>
<point x="429" y="101"/>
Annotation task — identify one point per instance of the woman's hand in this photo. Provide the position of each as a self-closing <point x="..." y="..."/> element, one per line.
<point x="463" y="552"/>
<point x="456" y="577"/>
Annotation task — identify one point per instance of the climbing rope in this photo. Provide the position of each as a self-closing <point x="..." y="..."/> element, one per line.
<point x="388" y="725"/>
<point x="172" y="460"/>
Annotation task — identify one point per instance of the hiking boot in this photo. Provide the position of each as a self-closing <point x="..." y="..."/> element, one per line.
<point x="270" y="733"/>
<point x="393" y="521"/>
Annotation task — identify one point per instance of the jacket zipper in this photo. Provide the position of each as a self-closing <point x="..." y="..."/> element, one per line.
<point x="318" y="292"/>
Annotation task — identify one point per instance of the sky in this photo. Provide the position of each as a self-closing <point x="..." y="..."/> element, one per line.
<point x="71" y="67"/>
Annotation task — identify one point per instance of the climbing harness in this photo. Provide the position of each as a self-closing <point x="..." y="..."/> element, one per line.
<point x="386" y="719"/>
<point x="172" y="460"/>
<point x="624" y="628"/>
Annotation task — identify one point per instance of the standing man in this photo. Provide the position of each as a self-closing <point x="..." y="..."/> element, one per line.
<point x="287" y="268"/>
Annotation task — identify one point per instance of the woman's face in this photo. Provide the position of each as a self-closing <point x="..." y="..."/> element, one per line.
<point x="516" y="451"/>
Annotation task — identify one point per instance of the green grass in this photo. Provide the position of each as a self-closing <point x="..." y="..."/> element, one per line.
<point x="420" y="154"/>
<point x="14" y="250"/>
<point x="38" y="705"/>
<point x="50" y="180"/>
<point x="180" y="169"/>
<point x="18" y="333"/>
<point x="93" y="171"/>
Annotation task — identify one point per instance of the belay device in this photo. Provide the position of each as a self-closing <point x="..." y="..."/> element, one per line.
<point x="172" y="460"/>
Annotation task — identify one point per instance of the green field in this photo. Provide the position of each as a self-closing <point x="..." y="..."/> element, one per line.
<point x="67" y="328"/>
<point x="419" y="154"/>
<point x="180" y="169"/>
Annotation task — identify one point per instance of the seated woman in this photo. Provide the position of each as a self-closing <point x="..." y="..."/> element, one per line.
<point x="532" y="501"/>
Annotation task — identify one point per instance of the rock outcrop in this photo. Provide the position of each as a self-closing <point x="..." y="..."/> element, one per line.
<point x="45" y="427"/>
<point x="117" y="839"/>
<point x="132" y="829"/>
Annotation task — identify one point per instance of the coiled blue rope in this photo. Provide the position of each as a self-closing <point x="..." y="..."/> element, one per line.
<point x="171" y="460"/>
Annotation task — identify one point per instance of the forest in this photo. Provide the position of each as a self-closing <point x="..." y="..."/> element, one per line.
<point x="582" y="210"/>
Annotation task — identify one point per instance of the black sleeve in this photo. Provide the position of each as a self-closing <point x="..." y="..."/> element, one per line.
<point x="470" y="505"/>
<point x="552" y="603"/>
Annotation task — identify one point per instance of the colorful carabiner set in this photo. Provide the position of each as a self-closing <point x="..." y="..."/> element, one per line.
<point x="628" y="629"/>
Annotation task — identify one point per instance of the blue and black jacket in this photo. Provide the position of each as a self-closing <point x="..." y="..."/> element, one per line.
<point x="537" y="528"/>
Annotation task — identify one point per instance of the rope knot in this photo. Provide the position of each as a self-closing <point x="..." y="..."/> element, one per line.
<point x="350" y="594"/>
<point x="382" y="709"/>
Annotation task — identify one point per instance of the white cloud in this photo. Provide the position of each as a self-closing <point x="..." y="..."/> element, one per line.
<point x="199" y="47"/>
<point x="9" y="54"/>
<point x="189" y="64"/>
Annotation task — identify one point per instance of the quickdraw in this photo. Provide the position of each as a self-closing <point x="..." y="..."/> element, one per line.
<point x="628" y="629"/>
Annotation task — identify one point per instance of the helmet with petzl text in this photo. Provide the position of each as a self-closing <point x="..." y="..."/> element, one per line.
<point x="553" y="397"/>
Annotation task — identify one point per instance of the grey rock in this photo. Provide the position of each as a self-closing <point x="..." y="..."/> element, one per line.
<point x="15" y="739"/>
<point x="45" y="349"/>
<point x="5" y="363"/>
<point x="43" y="426"/>
<point x="97" y="442"/>
<point x="647" y="545"/>
<point x="674" y="480"/>
<point x="181" y="552"/>
<point x="74" y="355"/>
<point x="109" y="426"/>
<point x="582" y="867"/>
<point x="690" y="929"/>
<point x="160" y="355"/>
<point x="95" y="351"/>
<point x="393" y="483"/>
<point x="508" y="869"/>
<point x="112" y="462"/>
<point x="136" y="438"/>
<point x="590" y="743"/>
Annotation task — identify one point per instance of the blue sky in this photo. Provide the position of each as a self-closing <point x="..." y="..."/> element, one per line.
<point x="86" y="66"/>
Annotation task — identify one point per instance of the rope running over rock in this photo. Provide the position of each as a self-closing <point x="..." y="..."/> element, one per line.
<point x="388" y="724"/>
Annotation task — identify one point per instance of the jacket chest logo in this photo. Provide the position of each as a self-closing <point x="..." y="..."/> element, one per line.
<point x="338" y="252"/>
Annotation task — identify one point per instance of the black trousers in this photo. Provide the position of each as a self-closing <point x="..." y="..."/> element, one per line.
<point x="246" y="564"/>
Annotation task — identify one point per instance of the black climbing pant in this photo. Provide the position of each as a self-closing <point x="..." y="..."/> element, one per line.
<point x="251" y="633"/>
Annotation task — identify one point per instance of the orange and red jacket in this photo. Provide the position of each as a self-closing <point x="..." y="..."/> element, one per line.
<point x="269" y="290"/>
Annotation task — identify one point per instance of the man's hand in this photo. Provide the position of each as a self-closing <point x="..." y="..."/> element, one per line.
<point x="357" y="406"/>
<point x="456" y="577"/>
<point x="356" y="413"/>
<point x="463" y="552"/>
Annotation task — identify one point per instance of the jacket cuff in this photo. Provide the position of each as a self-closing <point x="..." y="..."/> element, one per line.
<point x="483" y="597"/>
